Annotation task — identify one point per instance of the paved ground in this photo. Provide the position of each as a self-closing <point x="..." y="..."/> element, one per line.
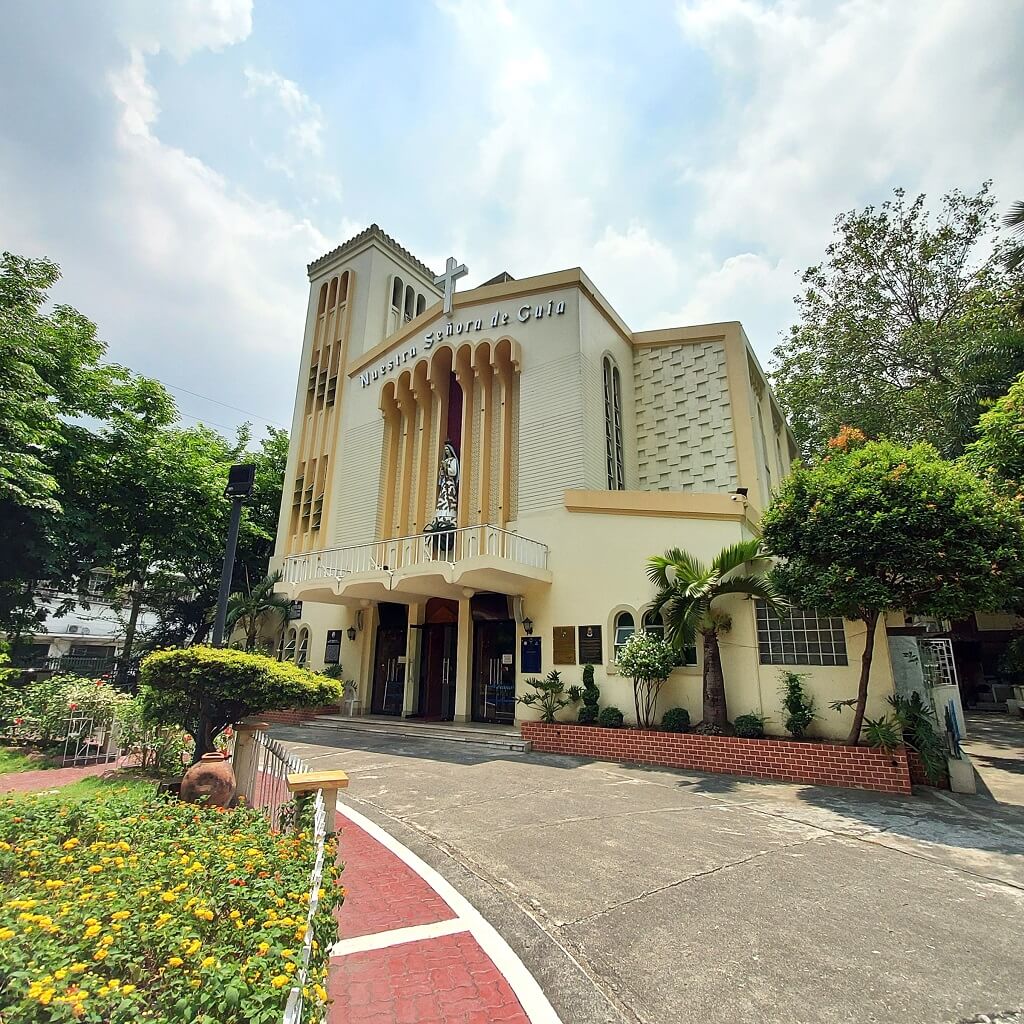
<point x="49" y="778"/>
<point x="995" y="744"/>
<point x="645" y="895"/>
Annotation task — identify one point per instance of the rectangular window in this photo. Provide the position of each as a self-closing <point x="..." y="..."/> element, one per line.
<point x="800" y="638"/>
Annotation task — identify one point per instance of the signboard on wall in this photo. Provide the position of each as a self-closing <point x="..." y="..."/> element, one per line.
<point x="590" y="645"/>
<point x="294" y="610"/>
<point x="564" y="645"/>
<point x="332" y="652"/>
<point x="529" y="654"/>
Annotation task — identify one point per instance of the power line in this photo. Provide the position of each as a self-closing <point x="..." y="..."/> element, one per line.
<point x="205" y="421"/>
<point x="216" y="401"/>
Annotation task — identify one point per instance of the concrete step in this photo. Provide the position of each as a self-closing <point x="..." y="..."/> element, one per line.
<point x="445" y="732"/>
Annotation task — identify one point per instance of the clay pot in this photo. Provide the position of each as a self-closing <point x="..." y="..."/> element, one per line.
<point x="211" y="777"/>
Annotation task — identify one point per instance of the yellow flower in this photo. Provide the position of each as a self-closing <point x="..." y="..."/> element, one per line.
<point x="71" y="844"/>
<point x="93" y="929"/>
<point x="6" y="933"/>
<point x="53" y="883"/>
<point x="168" y="897"/>
<point x="263" y="947"/>
<point x="61" y="974"/>
<point x="120" y="915"/>
<point x="234" y="915"/>
<point x="208" y="961"/>
<point x="125" y="989"/>
<point x="100" y="954"/>
<point x="321" y="992"/>
<point x="77" y="968"/>
<point x="175" y="961"/>
<point x="94" y="869"/>
<point x="279" y="981"/>
<point x="106" y="940"/>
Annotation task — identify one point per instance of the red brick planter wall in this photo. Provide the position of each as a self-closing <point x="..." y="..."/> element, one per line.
<point x="823" y="764"/>
<point x="295" y="715"/>
<point x="918" y="776"/>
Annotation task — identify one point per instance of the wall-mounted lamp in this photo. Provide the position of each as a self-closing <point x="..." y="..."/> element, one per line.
<point x="740" y="494"/>
<point x="528" y="625"/>
<point x="351" y="632"/>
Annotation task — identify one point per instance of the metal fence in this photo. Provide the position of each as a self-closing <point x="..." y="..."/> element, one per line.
<point x="90" y="740"/>
<point x="266" y="787"/>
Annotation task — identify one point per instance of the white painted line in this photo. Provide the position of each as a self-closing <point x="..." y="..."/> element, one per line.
<point x="530" y="995"/>
<point x="398" y="936"/>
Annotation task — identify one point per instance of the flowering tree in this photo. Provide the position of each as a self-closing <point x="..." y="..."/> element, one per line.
<point x="649" y="661"/>
<point x="875" y="526"/>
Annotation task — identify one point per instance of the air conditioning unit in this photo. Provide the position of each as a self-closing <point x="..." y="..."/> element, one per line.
<point x="72" y="629"/>
<point x="84" y="629"/>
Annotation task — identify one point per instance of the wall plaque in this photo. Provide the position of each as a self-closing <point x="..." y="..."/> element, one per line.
<point x="529" y="654"/>
<point x="294" y="610"/>
<point x="564" y="645"/>
<point x="332" y="652"/>
<point x="590" y="645"/>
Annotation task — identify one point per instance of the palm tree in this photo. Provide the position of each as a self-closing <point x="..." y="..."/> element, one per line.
<point x="687" y="592"/>
<point x="250" y="609"/>
<point x="1014" y="220"/>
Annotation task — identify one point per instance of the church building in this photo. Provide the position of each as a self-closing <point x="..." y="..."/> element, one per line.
<point x="477" y="478"/>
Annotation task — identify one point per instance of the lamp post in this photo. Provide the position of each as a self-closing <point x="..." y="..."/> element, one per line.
<point x="240" y="482"/>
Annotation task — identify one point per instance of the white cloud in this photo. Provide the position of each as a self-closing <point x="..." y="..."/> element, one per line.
<point x="306" y="121"/>
<point x="827" y="105"/>
<point x="184" y="26"/>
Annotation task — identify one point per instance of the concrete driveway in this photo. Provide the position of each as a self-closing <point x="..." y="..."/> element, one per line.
<point x="638" y="894"/>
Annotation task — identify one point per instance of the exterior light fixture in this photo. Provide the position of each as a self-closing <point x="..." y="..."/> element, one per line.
<point x="528" y="625"/>
<point x="351" y="632"/>
<point x="740" y="494"/>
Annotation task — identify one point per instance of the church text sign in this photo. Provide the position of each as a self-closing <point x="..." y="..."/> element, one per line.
<point x="455" y="328"/>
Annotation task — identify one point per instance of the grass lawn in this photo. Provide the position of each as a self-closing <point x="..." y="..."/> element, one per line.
<point x="136" y="788"/>
<point x="22" y="759"/>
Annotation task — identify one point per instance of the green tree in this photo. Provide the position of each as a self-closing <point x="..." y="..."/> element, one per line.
<point x="250" y="608"/>
<point x="904" y="327"/>
<point x="1013" y="256"/>
<point x="51" y="385"/>
<point x="206" y="689"/>
<point x="998" y="450"/>
<point x="688" y="592"/>
<point x="876" y="526"/>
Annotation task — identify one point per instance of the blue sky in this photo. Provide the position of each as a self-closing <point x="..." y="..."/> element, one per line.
<point x="183" y="161"/>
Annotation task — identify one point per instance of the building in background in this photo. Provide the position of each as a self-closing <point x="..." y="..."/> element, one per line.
<point x="476" y="480"/>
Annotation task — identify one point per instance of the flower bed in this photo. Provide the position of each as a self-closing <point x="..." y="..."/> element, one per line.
<point x="126" y="908"/>
<point x="824" y="764"/>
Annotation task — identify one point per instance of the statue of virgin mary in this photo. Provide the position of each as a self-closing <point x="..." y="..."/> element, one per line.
<point x="446" y="511"/>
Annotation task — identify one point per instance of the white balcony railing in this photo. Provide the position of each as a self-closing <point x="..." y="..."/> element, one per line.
<point x="451" y="547"/>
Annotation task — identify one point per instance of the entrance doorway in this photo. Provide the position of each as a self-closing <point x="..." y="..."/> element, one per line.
<point x="494" y="671"/>
<point x="389" y="659"/>
<point x="439" y="643"/>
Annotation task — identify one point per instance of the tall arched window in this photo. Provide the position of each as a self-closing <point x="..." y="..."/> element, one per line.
<point x="613" y="426"/>
<point x="625" y="627"/>
<point x="289" y="646"/>
<point x="410" y="302"/>
<point x="302" y="654"/>
<point x="421" y="304"/>
<point x="653" y="623"/>
<point x="396" y="293"/>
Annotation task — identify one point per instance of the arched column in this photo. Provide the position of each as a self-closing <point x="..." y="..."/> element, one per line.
<point x="407" y="405"/>
<point x="465" y="376"/>
<point x="392" y="444"/>
<point x="484" y="419"/>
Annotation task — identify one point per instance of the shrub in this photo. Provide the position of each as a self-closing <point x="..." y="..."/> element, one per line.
<point x="132" y="908"/>
<point x="648" y="661"/>
<point x="610" y="718"/>
<point x="750" y="727"/>
<point x="40" y="710"/>
<point x="206" y="689"/>
<point x="550" y="695"/>
<point x="797" y="703"/>
<point x="707" y="728"/>
<point x="676" y="720"/>
<point x="590" y="697"/>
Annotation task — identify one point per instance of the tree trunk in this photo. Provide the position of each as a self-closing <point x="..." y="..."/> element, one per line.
<point x="129" y="636"/>
<point x="870" y="621"/>
<point x="715" y="710"/>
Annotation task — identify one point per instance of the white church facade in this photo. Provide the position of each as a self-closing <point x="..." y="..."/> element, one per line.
<point x="477" y="477"/>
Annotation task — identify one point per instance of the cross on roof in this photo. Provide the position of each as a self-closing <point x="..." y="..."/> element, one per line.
<point x="452" y="273"/>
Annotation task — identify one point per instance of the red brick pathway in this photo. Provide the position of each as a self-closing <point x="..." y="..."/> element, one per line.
<point x="380" y="975"/>
<point x="49" y="778"/>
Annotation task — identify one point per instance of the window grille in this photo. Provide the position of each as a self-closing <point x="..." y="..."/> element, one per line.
<point x="613" y="426"/>
<point x="800" y="638"/>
